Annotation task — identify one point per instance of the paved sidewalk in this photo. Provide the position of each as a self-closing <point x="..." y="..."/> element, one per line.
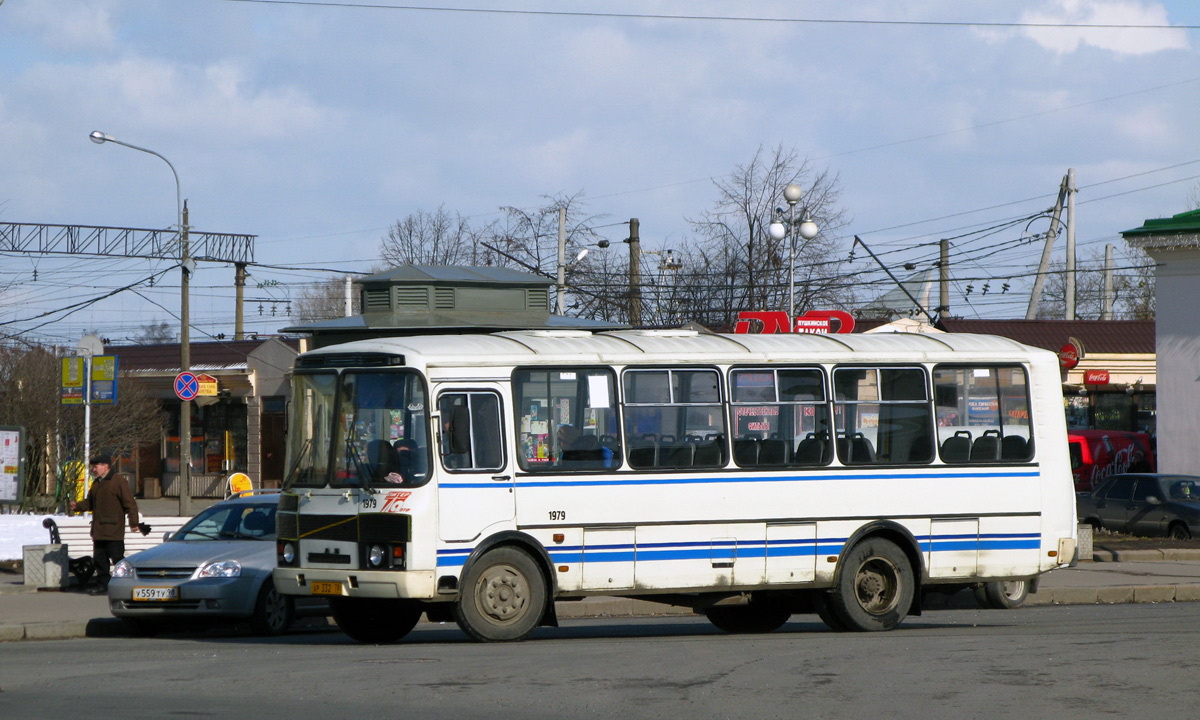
<point x="1140" y="576"/>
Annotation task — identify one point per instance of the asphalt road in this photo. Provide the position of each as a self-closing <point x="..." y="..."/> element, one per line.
<point x="1121" y="661"/>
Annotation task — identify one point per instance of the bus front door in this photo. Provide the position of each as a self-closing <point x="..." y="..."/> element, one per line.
<point x="475" y="477"/>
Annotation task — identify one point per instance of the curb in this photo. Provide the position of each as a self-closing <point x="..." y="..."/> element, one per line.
<point x="625" y="607"/>
<point x="1102" y="554"/>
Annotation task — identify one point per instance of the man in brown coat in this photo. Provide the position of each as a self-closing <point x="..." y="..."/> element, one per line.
<point x="110" y="501"/>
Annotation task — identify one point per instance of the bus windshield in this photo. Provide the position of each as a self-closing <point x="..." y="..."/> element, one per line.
<point x="309" y="429"/>
<point x="381" y="436"/>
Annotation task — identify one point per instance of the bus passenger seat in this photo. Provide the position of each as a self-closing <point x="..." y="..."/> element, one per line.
<point x="957" y="447"/>
<point x="745" y="452"/>
<point x="810" y="451"/>
<point x="1014" y="447"/>
<point x="986" y="447"/>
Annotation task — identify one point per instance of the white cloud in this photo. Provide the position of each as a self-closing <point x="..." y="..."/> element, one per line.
<point x="67" y="26"/>
<point x="1104" y="12"/>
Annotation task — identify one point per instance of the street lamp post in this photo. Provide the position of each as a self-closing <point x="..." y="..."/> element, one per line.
<point x="807" y="230"/>
<point x="185" y="407"/>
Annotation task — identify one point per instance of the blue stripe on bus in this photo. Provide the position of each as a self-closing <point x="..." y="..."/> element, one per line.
<point x="731" y="550"/>
<point x="739" y="479"/>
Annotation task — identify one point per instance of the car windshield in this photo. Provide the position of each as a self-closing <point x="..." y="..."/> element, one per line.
<point x="234" y="521"/>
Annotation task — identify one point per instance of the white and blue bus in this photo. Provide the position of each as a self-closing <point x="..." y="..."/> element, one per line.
<point x="482" y="478"/>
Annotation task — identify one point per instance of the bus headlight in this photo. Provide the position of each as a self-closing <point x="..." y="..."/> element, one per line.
<point x="287" y="553"/>
<point x="376" y="556"/>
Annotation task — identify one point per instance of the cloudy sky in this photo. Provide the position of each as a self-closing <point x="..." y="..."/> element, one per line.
<point x="315" y="125"/>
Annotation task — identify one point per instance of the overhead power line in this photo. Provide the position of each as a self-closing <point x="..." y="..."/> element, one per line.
<point x="720" y="18"/>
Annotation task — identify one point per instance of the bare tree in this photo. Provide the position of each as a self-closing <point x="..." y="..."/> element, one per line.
<point x="324" y="301"/>
<point x="743" y="266"/>
<point x="30" y="380"/>
<point x="155" y="334"/>
<point x="436" y="238"/>
<point x="1133" y="288"/>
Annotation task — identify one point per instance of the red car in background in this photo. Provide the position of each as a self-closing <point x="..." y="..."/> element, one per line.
<point x="1097" y="454"/>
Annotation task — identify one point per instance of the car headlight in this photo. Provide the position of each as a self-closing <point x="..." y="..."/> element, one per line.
<point x="123" y="569"/>
<point x="222" y="568"/>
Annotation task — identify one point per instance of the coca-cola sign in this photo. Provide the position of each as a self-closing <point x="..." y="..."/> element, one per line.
<point x="1096" y="377"/>
<point x="1068" y="356"/>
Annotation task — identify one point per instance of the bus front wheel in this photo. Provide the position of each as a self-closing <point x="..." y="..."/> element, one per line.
<point x="875" y="587"/>
<point x="503" y="596"/>
<point x="374" y="621"/>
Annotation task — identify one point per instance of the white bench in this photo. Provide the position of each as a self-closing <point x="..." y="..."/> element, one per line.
<point x="75" y="533"/>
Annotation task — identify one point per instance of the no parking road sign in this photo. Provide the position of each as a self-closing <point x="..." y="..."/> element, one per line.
<point x="187" y="387"/>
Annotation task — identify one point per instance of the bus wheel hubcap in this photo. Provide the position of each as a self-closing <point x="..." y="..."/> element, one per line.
<point x="502" y="593"/>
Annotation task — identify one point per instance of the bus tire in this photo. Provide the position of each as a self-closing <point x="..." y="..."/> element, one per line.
<point x="1002" y="594"/>
<point x="375" y="621"/>
<point x="874" y="588"/>
<point x="757" y="616"/>
<point x="503" y="596"/>
<point x="823" y="604"/>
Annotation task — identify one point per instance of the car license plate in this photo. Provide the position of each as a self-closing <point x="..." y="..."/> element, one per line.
<point x="156" y="593"/>
<point x="325" y="588"/>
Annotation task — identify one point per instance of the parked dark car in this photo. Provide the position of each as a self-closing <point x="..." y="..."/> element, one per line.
<point x="1144" y="504"/>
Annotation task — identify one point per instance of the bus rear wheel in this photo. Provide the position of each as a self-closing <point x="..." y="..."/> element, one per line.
<point x="875" y="587"/>
<point x="378" y="622"/>
<point x="503" y="596"/>
<point x="1002" y="594"/>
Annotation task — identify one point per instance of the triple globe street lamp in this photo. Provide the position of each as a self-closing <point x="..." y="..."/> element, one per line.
<point x="807" y="229"/>
<point x="185" y="413"/>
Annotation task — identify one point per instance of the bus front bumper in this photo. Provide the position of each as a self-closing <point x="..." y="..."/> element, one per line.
<point x="420" y="585"/>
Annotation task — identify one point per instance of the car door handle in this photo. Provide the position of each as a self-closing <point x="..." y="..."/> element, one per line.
<point x="501" y="478"/>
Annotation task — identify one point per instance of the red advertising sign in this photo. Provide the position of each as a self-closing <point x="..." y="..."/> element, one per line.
<point x="1095" y="377"/>
<point x="1068" y="356"/>
<point x="777" y="321"/>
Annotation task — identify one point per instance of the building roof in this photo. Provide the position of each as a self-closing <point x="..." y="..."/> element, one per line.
<point x="1185" y="223"/>
<point x="1097" y="336"/>
<point x="456" y="274"/>
<point x="204" y="356"/>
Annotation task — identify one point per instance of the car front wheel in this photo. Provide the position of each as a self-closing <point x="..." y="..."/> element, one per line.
<point x="273" y="612"/>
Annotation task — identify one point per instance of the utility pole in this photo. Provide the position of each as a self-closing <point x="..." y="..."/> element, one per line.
<point x="1070" y="244"/>
<point x="239" y="292"/>
<point x="635" y="273"/>
<point x="1039" y="281"/>
<point x="943" y="278"/>
<point x="1106" y="305"/>
<point x="562" y="261"/>
<point x="185" y="364"/>
<point x="349" y="295"/>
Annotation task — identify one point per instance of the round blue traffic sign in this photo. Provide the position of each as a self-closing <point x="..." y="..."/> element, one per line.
<point x="187" y="387"/>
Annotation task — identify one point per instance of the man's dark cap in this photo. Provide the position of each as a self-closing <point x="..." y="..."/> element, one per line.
<point x="102" y="458"/>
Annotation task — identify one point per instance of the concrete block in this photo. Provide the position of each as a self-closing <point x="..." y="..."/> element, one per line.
<point x="1084" y="533"/>
<point x="8" y="633"/>
<point x="1187" y="593"/>
<point x="55" y="630"/>
<point x="1114" y="595"/>
<point x="46" y="566"/>
<point x="1154" y="593"/>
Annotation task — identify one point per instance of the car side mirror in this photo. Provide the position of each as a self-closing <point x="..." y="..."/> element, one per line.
<point x="1153" y="500"/>
<point x="166" y="536"/>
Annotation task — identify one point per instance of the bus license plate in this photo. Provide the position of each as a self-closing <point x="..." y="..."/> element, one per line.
<point x="156" y="593"/>
<point x="325" y="588"/>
